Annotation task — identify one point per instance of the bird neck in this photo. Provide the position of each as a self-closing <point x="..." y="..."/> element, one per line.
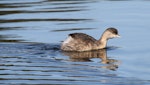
<point x="102" y="41"/>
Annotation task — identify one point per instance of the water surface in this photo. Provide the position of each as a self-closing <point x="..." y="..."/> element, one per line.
<point x="31" y="33"/>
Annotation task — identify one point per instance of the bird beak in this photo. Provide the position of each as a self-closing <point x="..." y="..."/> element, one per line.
<point x="118" y="36"/>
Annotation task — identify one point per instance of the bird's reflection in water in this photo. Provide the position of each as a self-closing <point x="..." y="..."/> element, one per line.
<point x="112" y="64"/>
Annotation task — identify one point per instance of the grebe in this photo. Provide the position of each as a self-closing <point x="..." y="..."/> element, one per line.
<point x="83" y="42"/>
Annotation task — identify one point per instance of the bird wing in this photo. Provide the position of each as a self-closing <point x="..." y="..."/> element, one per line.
<point x="83" y="38"/>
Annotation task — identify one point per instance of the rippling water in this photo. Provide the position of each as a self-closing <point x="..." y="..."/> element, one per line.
<point x="31" y="32"/>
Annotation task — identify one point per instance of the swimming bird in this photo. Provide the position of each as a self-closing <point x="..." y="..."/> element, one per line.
<point x="83" y="42"/>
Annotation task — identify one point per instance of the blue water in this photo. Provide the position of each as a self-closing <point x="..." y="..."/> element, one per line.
<point x="31" y="33"/>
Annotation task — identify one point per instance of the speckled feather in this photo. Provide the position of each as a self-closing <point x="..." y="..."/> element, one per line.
<point x="84" y="42"/>
<point x="83" y="37"/>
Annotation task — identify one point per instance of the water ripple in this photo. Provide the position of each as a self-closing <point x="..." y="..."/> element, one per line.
<point x="22" y="62"/>
<point x="25" y="61"/>
<point x="30" y="20"/>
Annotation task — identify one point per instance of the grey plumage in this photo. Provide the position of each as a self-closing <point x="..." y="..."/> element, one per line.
<point x="84" y="42"/>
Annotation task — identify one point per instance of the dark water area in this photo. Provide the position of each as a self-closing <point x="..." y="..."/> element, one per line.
<point x="31" y="32"/>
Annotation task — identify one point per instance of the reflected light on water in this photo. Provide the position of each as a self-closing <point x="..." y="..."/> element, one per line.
<point x="26" y="26"/>
<point x="87" y="56"/>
